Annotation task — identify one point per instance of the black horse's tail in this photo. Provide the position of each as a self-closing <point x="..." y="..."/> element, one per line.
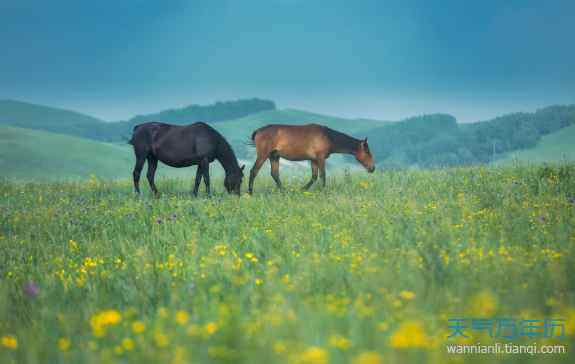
<point x="132" y="140"/>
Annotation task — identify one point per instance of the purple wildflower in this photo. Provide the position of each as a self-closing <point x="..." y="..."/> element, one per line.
<point x="31" y="290"/>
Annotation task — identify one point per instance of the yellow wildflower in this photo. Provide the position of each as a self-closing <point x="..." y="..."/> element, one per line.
<point x="138" y="327"/>
<point x="182" y="317"/>
<point x="73" y="245"/>
<point x="162" y="312"/>
<point x="100" y="321"/>
<point x="314" y="355"/>
<point x="128" y="344"/>
<point x="368" y="357"/>
<point x="410" y="334"/>
<point x="569" y="315"/>
<point x="10" y="342"/>
<point x="210" y="328"/>
<point x="484" y="304"/>
<point x="407" y="295"/>
<point x="382" y="326"/>
<point x="339" y="342"/>
<point x="161" y="339"/>
<point x="64" y="344"/>
<point x="279" y="347"/>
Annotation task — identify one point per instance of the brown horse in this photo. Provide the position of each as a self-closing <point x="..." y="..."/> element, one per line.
<point x="311" y="142"/>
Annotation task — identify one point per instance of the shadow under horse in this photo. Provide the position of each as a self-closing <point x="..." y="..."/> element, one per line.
<point x="183" y="146"/>
<point x="311" y="142"/>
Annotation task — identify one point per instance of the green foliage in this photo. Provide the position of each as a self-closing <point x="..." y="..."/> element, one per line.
<point x="371" y="267"/>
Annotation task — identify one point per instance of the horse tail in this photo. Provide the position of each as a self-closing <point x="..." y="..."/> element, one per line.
<point x="132" y="139"/>
<point x="257" y="131"/>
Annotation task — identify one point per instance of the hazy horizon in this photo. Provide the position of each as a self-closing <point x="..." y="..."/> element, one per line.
<point x="383" y="60"/>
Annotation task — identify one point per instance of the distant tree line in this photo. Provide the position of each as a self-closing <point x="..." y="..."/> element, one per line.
<point x="437" y="140"/>
<point x="219" y="111"/>
<point x="216" y="112"/>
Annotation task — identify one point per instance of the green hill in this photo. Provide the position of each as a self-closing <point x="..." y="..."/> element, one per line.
<point x="558" y="146"/>
<point x="28" y="154"/>
<point x="32" y="116"/>
<point x="35" y="154"/>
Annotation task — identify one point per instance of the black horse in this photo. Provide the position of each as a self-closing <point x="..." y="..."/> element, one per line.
<point x="183" y="146"/>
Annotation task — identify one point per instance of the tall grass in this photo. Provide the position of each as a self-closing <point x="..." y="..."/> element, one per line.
<point x="368" y="270"/>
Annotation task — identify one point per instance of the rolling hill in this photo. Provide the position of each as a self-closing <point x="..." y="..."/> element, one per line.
<point x="558" y="146"/>
<point x="27" y="154"/>
<point x="32" y="116"/>
<point x="35" y="154"/>
<point x="33" y="144"/>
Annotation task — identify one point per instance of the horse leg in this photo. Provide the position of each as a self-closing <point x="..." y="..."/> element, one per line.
<point x="205" y="164"/>
<point x="254" y="172"/>
<point x="137" y="171"/>
<point x="152" y="165"/>
<point x="313" y="175"/>
<point x="321" y="166"/>
<point x="275" y="169"/>
<point x="199" y="173"/>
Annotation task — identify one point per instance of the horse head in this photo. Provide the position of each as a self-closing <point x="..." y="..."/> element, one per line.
<point x="363" y="156"/>
<point x="233" y="180"/>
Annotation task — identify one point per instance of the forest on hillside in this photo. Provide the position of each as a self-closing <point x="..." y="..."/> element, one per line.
<point x="438" y="140"/>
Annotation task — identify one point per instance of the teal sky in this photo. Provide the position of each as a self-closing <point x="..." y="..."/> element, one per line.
<point x="377" y="59"/>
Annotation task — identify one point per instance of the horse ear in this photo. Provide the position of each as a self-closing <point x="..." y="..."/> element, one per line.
<point x="242" y="167"/>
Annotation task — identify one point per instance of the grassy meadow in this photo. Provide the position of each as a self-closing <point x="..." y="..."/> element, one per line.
<point x="367" y="271"/>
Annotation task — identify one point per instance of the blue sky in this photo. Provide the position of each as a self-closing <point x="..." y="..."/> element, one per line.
<point x="378" y="59"/>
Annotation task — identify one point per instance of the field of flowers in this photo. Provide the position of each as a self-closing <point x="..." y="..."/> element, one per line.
<point x="367" y="271"/>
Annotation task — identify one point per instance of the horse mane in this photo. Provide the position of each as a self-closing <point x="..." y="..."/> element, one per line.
<point x="341" y="140"/>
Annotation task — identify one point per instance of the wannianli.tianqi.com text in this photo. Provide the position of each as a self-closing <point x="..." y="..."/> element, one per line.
<point x="505" y="348"/>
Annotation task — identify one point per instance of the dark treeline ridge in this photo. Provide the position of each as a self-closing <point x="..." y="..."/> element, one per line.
<point x="438" y="140"/>
<point x="219" y="111"/>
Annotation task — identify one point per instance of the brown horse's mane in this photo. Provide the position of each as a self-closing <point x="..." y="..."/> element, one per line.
<point x="340" y="141"/>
